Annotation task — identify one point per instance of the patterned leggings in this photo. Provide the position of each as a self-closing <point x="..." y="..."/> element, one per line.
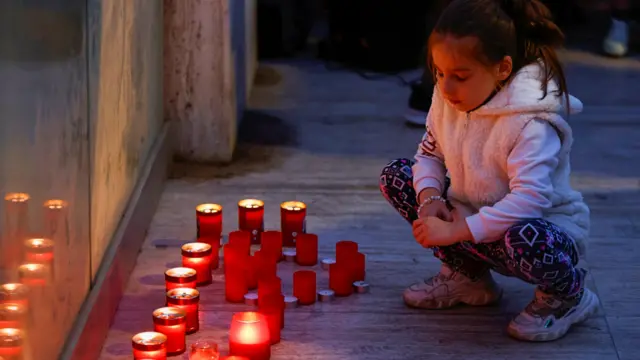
<point x="534" y="250"/>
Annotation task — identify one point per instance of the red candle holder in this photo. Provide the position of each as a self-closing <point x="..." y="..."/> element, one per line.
<point x="39" y="251"/>
<point x="249" y="336"/>
<point x="14" y="293"/>
<point x="293" y="221"/>
<point x="187" y="300"/>
<point x="55" y="216"/>
<point x="197" y="256"/>
<point x="172" y="322"/>
<point x="267" y="286"/>
<point x="358" y="270"/>
<point x="271" y="243"/>
<point x="340" y="279"/>
<point x="266" y="266"/>
<point x="252" y="272"/>
<point x="34" y="275"/>
<point x="209" y="220"/>
<point x="242" y="239"/>
<point x="307" y="249"/>
<point x="272" y="307"/>
<point x="345" y="251"/>
<point x="234" y="256"/>
<point x="304" y="286"/>
<point x="235" y="284"/>
<point x="234" y="357"/>
<point x="204" y="350"/>
<point x="180" y="277"/>
<point x="251" y="218"/>
<point x="149" y="345"/>
<point x="11" y="341"/>
<point x="12" y="316"/>
<point x="14" y="229"/>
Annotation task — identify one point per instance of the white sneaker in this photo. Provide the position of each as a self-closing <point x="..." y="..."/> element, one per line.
<point x="617" y="41"/>
<point x="450" y="288"/>
<point x="549" y="317"/>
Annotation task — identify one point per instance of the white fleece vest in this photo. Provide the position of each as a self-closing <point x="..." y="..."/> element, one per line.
<point x="476" y="146"/>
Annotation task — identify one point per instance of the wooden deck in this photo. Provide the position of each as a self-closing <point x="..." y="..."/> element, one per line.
<point x="322" y="137"/>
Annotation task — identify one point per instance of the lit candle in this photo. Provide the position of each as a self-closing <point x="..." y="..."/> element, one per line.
<point x="55" y="216"/>
<point x="180" y="277"/>
<point x="251" y="218"/>
<point x="292" y="221"/>
<point x="242" y="239"/>
<point x="197" y="256"/>
<point x="307" y="249"/>
<point x="304" y="286"/>
<point x="187" y="300"/>
<point x="340" y="279"/>
<point x="149" y="345"/>
<point x="11" y="343"/>
<point x="271" y="243"/>
<point x="209" y="220"/>
<point x="204" y="350"/>
<point x="14" y="229"/>
<point x="172" y="322"/>
<point x="12" y="315"/>
<point x="39" y="251"/>
<point x="249" y="336"/>
<point x="14" y="294"/>
<point x="34" y="275"/>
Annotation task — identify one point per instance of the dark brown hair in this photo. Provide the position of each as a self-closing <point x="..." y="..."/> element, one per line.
<point x="522" y="29"/>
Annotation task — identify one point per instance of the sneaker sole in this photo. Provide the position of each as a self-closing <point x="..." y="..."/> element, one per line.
<point x="590" y="308"/>
<point x="446" y="303"/>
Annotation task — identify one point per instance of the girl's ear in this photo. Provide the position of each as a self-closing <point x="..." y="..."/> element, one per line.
<point x="505" y="66"/>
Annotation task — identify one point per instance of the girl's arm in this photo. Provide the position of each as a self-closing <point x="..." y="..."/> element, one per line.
<point x="429" y="169"/>
<point x="530" y="166"/>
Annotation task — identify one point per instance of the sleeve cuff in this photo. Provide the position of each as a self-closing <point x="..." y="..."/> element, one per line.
<point x="427" y="182"/>
<point x="476" y="228"/>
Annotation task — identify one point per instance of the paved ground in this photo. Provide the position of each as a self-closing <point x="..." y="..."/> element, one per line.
<point x="322" y="137"/>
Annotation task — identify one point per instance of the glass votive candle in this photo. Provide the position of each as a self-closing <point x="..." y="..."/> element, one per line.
<point x="304" y="286"/>
<point x="197" y="256"/>
<point x="14" y="293"/>
<point x="172" y="322"/>
<point x="12" y="315"/>
<point x="249" y="336"/>
<point x="265" y="265"/>
<point x="55" y="214"/>
<point x="39" y="251"/>
<point x="293" y="221"/>
<point x="187" y="300"/>
<point x="307" y="249"/>
<point x="180" y="277"/>
<point x="345" y="251"/>
<point x="14" y="229"/>
<point x="241" y="239"/>
<point x="340" y="279"/>
<point x="271" y="243"/>
<point x="149" y="345"/>
<point x="11" y="341"/>
<point x="34" y="275"/>
<point x="204" y="350"/>
<point x="272" y="308"/>
<point x="251" y="218"/>
<point x="358" y="267"/>
<point x="209" y="220"/>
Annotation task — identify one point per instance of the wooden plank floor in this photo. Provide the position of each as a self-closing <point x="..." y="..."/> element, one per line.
<point x="321" y="137"/>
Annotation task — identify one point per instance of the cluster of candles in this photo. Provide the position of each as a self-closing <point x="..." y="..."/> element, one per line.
<point x="35" y="270"/>
<point x="251" y="333"/>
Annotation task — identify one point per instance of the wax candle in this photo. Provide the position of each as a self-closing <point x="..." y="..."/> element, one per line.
<point x="242" y="239"/>
<point x="172" y="322"/>
<point x="271" y="243"/>
<point x="55" y="214"/>
<point x="293" y="221"/>
<point x="251" y="218"/>
<point x="340" y="279"/>
<point x="304" y="286"/>
<point x="345" y="251"/>
<point x="249" y="336"/>
<point x="187" y="300"/>
<point x="39" y="251"/>
<point x="14" y="293"/>
<point x="272" y="307"/>
<point x="12" y="315"/>
<point x="197" y="256"/>
<point x="307" y="249"/>
<point x="204" y="350"/>
<point x="235" y="282"/>
<point x="34" y="275"/>
<point x="13" y="230"/>
<point x="209" y="220"/>
<point x="11" y="341"/>
<point x="180" y="277"/>
<point x="149" y="345"/>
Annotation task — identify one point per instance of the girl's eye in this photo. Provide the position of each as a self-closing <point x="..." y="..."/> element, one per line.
<point x="461" y="79"/>
<point x="439" y="74"/>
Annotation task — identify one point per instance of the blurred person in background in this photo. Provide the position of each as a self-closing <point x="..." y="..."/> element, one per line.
<point x="616" y="42"/>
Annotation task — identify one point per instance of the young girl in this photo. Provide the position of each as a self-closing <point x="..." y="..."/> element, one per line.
<point x="495" y="127"/>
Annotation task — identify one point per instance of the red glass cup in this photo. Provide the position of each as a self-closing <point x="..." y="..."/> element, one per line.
<point x="234" y="357"/>
<point x="251" y="218"/>
<point x="14" y="229"/>
<point x="14" y="293"/>
<point x="234" y="255"/>
<point x="34" y="275"/>
<point x="11" y="342"/>
<point x="55" y="215"/>
<point x="39" y="251"/>
<point x="215" y="250"/>
<point x="197" y="256"/>
<point x="180" y="277"/>
<point x="209" y="220"/>
<point x="241" y="238"/>
<point x="267" y="286"/>
<point x="271" y="243"/>
<point x="187" y="300"/>
<point x="249" y="336"/>
<point x="358" y="267"/>
<point x="172" y="322"/>
<point x="293" y="221"/>
<point x="12" y="316"/>
<point x="304" y="286"/>
<point x="235" y="282"/>
<point x="307" y="249"/>
<point x="149" y="345"/>
<point x="340" y="279"/>
<point x="266" y="266"/>
<point x="345" y="251"/>
<point x="272" y="307"/>
<point x="252" y="272"/>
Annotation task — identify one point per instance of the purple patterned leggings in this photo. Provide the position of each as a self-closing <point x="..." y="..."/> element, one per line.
<point x="534" y="250"/>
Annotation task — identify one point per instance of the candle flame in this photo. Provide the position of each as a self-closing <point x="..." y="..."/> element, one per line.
<point x="169" y="313"/>
<point x="209" y="208"/>
<point x="17" y="197"/>
<point x="293" y="205"/>
<point x="149" y="338"/>
<point x="10" y="335"/>
<point x="183" y="293"/>
<point x="251" y="203"/>
<point x="196" y="247"/>
<point x="55" y="204"/>
<point x="39" y="242"/>
<point x="181" y="272"/>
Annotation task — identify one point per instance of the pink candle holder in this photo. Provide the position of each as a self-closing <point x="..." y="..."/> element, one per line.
<point x="180" y="277"/>
<point x="209" y="220"/>
<point x="172" y="322"/>
<point x="14" y="293"/>
<point x="14" y="229"/>
<point x="249" y="336"/>
<point x="34" y="275"/>
<point x="11" y="342"/>
<point x="149" y="345"/>
<point x="293" y="221"/>
<point x="187" y="300"/>
<point x="39" y="251"/>
<point x="251" y="218"/>
<point x="12" y="316"/>
<point x="197" y="256"/>
<point x="55" y="215"/>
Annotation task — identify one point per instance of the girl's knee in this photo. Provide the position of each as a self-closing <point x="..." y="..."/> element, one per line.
<point x="527" y="233"/>
<point x="399" y="169"/>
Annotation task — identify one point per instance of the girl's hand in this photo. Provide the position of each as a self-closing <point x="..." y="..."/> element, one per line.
<point x="431" y="231"/>
<point x="436" y="209"/>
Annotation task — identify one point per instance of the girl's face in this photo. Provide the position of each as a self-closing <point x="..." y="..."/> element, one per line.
<point x="463" y="80"/>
